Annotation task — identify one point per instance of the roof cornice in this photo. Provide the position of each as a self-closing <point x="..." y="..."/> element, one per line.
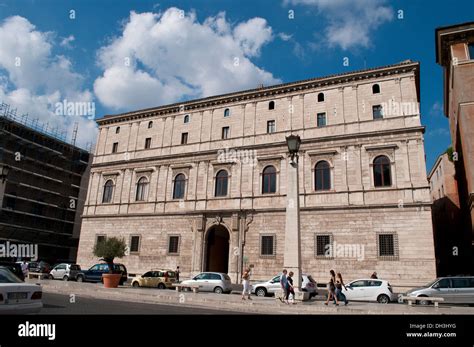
<point x="258" y="93"/>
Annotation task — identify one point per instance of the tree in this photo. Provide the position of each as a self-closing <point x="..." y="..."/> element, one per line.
<point x="450" y="152"/>
<point x="109" y="249"/>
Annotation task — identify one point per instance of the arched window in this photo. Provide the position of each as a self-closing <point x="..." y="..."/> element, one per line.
<point x="142" y="189"/>
<point x="271" y="105"/>
<point x="150" y="124"/>
<point x="108" y="191"/>
<point x="117" y="130"/>
<point x="320" y="97"/>
<point x="322" y="176"/>
<point x="179" y="186"/>
<point x="186" y="119"/>
<point x="222" y="179"/>
<point x="382" y="174"/>
<point x="269" y="180"/>
<point x="375" y="89"/>
<point x="226" y="112"/>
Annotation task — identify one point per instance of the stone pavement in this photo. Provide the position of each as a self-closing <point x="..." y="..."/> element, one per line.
<point x="233" y="302"/>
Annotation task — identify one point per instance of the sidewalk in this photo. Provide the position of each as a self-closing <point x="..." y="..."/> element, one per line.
<point x="233" y="302"/>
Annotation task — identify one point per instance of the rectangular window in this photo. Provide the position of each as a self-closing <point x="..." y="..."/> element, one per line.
<point x="321" y="119"/>
<point x="387" y="246"/>
<point x="100" y="238"/>
<point x="148" y="143"/>
<point x="134" y="244"/>
<point x="271" y="128"/>
<point x="377" y="111"/>
<point x="225" y="133"/>
<point x="267" y="245"/>
<point x="115" y="147"/>
<point x="323" y="245"/>
<point x="173" y="245"/>
<point x="184" y="138"/>
<point x="471" y="50"/>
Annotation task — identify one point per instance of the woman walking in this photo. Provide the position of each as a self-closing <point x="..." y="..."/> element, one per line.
<point x="332" y="289"/>
<point x="245" y="282"/>
<point x="339" y="284"/>
<point x="289" y="288"/>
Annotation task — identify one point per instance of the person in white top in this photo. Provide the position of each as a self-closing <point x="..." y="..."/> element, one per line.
<point x="245" y="282"/>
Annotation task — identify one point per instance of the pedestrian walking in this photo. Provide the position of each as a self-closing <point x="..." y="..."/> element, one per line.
<point x="290" y="290"/>
<point x="339" y="284"/>
<point x="246" y="283"/>
<point x="177" y="274"/>
<point x="283" y="283"/>
<point x="24" y="269"/>
<point x="374" y="276"/>
<point x="332" y="289"/>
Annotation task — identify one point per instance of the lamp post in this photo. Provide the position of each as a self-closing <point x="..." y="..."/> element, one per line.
<point x="292" y="255"/>
<point x="4" y="170"/>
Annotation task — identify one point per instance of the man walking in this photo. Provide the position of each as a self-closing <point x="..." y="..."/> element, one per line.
<point x="284" y="284"/>
<point x="177" y="274"/>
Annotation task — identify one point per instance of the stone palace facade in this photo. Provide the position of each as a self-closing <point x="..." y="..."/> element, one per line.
<point x="202" y="184"/>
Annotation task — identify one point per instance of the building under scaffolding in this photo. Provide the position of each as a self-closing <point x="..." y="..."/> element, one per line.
<point x="42" y="197"/>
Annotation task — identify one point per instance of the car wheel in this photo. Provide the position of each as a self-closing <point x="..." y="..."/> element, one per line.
<point x="80" y="279"/>
<point x="161" y="286"/>
<point x="66" y="278"/>
<point x="383" y="299"/>
<point x="261" y="292"/>
<point x="135" y="284"/>
<point x="218" y="290"/>
<point x="423" y="302"/>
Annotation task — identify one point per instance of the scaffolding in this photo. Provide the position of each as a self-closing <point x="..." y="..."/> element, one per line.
<point x="6" y="111"/>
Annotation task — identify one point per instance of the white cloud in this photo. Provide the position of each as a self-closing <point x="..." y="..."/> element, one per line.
<point x="350" y="23"/>
<point x="438" y="132"/>
<point x="33" y="78"/>
<point x="163" y="58"/>
<point x="66" y="41"/>
<point x="436" y="109"/>
<point x="284" y="36"/>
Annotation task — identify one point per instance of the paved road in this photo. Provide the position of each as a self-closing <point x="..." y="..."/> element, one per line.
<point x="60" y="304"/>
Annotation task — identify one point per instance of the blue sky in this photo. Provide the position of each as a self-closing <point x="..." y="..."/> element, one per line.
<point x="124" y="55"/>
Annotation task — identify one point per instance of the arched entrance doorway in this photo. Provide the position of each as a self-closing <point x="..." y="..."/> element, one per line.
<point x="217" y="250"/>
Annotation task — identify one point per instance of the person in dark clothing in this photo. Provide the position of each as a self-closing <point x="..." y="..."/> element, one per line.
<point x="374" y="276"/>
<point x="177" y="274"/>
<point x="339" y="284"/>
<point x="289" y="287"/>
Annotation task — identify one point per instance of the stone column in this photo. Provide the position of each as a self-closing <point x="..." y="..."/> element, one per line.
<point x="292" y="255"/>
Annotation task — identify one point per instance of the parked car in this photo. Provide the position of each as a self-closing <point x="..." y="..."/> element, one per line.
<point x="160" y="279"/>
<point x="369" y="290"/>
<point x="65" y="272"/>
<point x="216" y="282"/>
<point x="17" y="297"/>
<point x="41" y="266"/>
<point x="454" y="290"/>
<point x="94" y="274"/>
<point x="271" y="286"/>
<point x="15" y="268"/>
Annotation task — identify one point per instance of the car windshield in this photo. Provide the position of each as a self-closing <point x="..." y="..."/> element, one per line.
<point x="8" y="277"/>
<point x="75" y="267"/>
<point x="171" y="274"/>
<point x="311" y="279"/>
<point x="431" y="283"/>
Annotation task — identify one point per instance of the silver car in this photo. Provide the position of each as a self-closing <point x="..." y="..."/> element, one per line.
<point x="454" y="290"/>
<point x="64" y="272"/>
<point x="273" y="285"/>
<point x="216" y="282"/>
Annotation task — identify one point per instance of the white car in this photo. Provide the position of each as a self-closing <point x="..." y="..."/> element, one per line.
<point x="271" y="286"/>
<point x="369" y="290"/>
<point x="17" y="297"/>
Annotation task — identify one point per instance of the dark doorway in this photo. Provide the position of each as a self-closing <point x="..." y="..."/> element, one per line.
<point x="217" y="252"/>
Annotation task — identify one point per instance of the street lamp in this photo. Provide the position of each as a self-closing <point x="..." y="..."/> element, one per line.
<point x="4" y="170"/>
<point x="292" y="255"/>
<point x="293" y="142"/>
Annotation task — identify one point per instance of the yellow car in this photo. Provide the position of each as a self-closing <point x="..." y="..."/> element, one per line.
<point x="160" y="279"/>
